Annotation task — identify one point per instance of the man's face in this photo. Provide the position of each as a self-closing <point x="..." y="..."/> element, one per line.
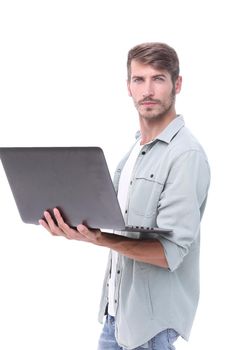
<point x="152" y="90"/>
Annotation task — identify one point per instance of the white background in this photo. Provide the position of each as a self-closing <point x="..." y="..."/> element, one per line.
<point x="62" y="82"/>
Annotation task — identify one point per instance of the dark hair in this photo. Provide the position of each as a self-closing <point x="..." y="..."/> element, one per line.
<point x="158" y="55"/>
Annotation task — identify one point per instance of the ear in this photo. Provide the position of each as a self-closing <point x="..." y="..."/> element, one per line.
<point x="178" y="84"/>
<point x="128" y="88"/>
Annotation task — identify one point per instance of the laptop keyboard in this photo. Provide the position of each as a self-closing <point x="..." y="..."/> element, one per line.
<point x="146" y="229"/>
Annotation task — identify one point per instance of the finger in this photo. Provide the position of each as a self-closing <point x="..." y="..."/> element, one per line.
<point x="44" y="224"/>
<point x="53" y="228"/>
<point x="69" y="232"/>
<point x="90" y="235"/>
<point x="60" y="221"/>
<point x="83" y="230"/>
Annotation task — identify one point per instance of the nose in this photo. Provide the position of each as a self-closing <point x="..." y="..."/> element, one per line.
<point x="147" y="94"/>
<point x="148" y="90"/>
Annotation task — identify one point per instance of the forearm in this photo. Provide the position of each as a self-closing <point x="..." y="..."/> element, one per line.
<point x="147" y="251"/>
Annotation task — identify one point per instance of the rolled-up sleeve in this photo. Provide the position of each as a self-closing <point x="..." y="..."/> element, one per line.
<point x="182" y="203"/>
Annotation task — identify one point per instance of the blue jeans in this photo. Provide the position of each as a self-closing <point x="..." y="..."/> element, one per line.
<point x="162" y="341"/>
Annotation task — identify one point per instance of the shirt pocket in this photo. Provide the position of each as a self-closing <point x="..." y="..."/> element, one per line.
<point x="145" y="194"/>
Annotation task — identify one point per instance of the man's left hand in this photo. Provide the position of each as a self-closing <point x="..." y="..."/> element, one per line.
<point x="61" y="228"/>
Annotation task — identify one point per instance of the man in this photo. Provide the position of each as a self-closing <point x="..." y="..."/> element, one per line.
<point x="151" y="287"/>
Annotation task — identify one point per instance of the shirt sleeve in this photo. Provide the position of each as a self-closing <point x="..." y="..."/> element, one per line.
<point x="182" y="204"/>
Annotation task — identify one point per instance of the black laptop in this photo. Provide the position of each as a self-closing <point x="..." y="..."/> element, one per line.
<point x="75" y="180"/>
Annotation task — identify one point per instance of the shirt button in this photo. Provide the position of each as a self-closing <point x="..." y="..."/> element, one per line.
<point x="115" y="301"/>
<point x="118" y="271"/>
<point x="143" y="153"/>
<point x="126" y="211"/>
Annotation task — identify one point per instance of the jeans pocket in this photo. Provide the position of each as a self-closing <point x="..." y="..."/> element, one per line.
<point x="172" y="335"/>
<point x="164" y="340"/>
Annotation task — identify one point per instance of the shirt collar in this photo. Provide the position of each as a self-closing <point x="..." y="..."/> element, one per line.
<point x="170" y="131"/>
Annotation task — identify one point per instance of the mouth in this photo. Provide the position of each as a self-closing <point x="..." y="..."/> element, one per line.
<point x="149" y="103"/>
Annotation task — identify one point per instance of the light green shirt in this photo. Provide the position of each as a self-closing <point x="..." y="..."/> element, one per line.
<point x="168" y="189"/>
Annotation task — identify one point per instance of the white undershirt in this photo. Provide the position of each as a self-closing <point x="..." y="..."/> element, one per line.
<point x="122" y="198"/>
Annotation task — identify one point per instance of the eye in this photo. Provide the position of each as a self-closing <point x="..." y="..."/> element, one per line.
<point x="137" y="80"/>
<point x="159" y="78"/>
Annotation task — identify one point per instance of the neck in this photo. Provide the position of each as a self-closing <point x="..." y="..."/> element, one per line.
<point x="151" y="128"/>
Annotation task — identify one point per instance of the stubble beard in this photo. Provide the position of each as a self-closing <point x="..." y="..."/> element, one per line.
<point x="164" y="108"/>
